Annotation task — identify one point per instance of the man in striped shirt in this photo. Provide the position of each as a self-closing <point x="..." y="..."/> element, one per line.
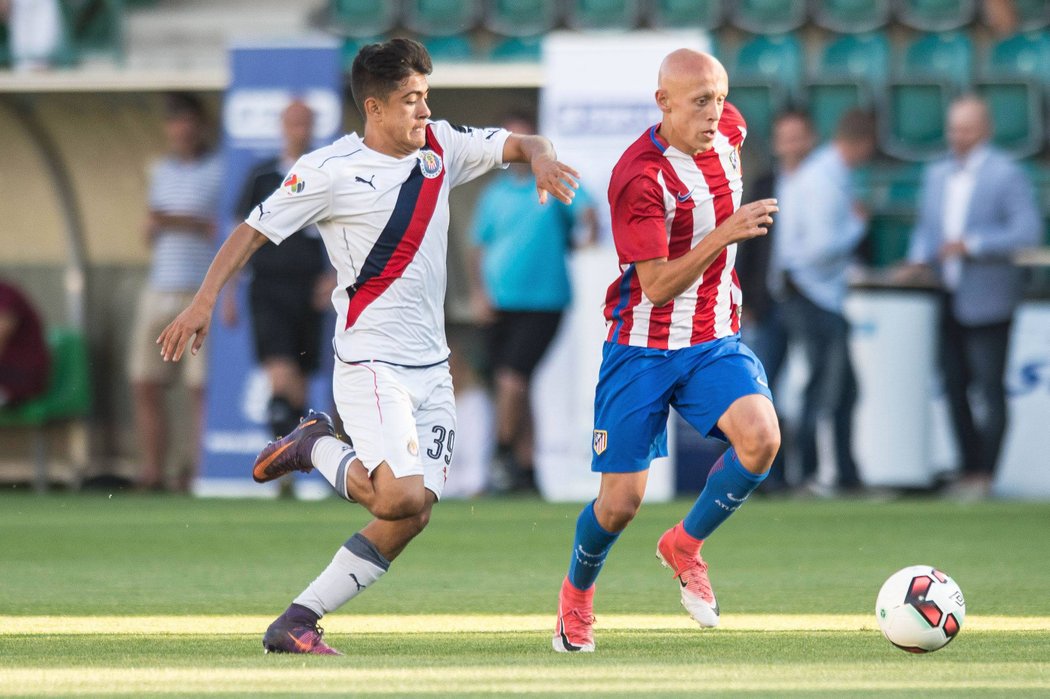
<point x="185" y="187"/>
<point x="674" y="317"/>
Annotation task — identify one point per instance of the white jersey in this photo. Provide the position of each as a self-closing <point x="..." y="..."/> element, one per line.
<point x="384" y="221"/>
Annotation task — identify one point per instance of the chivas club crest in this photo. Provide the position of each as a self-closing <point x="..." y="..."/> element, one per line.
<point x="429" y="164"/>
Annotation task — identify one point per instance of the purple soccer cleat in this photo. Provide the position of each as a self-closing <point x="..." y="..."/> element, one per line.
<point x="288" y="636"/>
<point x="292" y="452"/>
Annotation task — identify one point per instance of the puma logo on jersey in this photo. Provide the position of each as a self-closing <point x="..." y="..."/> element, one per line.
<point x="358" y="178"/>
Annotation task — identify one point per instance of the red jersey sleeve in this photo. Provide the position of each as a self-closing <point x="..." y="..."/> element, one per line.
<point x="638" y="220"/>
<point x="732" y="124"/>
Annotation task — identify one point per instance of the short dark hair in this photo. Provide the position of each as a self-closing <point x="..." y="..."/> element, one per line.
<point x="379" y="69"/>
<point x="856" y="125"/>
<point x="179" y="104"/>
<point x="794" y="113"/>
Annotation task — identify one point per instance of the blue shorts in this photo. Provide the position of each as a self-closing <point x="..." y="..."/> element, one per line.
<point x="637" y="386"/>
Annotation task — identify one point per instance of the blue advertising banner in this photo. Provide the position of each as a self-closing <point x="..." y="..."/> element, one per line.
<point x="264" y="79"/>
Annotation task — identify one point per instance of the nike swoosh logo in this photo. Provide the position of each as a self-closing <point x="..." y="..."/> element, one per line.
<point x="260" y="469"/>
<point x="305" y="648"/>
<point x="684" y="197"/>
<point x="761" y="382"/>
<point x="735" y="499"/>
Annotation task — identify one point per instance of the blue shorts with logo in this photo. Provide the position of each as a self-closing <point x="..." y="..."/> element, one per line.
<point x="638" y="385"/>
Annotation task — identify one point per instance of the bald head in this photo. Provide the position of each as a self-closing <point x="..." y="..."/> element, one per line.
<point x="686" y="66"/>
<point x="691" y="93"/>
<point x="969" y="124"/>
<point x="297" y="122"/>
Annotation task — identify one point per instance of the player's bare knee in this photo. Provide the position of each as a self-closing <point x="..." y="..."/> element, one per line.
<point x="399" y="505"/>
<point x="759" y="447"/>
<point x="615" y="513"/>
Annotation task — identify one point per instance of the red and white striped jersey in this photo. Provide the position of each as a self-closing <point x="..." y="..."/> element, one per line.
<point x="384" y="222"/>
<point x="663" y="203"/>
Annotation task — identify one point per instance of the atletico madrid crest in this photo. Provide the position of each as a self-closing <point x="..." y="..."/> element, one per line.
<point x="601" y="440"/>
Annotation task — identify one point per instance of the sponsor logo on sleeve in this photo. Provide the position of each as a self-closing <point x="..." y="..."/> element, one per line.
<point x="293" y="184"/>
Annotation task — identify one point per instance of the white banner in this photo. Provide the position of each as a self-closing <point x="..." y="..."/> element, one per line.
<point x="597" y="98"/>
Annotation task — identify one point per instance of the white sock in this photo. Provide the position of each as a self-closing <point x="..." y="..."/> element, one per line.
<point x="332" y="457"/>
<point x="356" y="565"/>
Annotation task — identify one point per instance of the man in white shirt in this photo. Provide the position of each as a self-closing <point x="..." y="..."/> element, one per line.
<point x="819" y="229"/>
<point x="976" y="209"/>
<point x="381" y="204"/>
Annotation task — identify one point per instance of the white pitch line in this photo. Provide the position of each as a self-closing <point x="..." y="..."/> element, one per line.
<point x="477" y="623"/>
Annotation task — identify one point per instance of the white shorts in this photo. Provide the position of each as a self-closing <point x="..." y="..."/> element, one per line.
<point x="401" y="415"/>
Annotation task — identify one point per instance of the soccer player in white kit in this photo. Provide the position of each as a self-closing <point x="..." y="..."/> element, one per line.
<point x="381" y="204"/>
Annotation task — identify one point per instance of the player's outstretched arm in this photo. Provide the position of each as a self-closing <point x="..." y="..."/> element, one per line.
<point x="663" y="279"/>
<point x="195" y="319"/>
<point x="552" y="176"/>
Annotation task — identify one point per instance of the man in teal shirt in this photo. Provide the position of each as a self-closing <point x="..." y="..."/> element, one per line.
<point x="520" y="291"/>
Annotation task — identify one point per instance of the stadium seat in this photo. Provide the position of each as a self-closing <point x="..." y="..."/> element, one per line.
<point x="603" y="14"/>
<point x="775" y="59"/>
<point x="759" y="103"/>
<point x="5" y="48"/>
<point x="521" y="17"/>
<point x="449" y="48"/>
<point x="827" y="101"/>
<point x="92" y="28"/>
<point x="935" y="15"/>
<point x="436" y="18"/>
<point x="1021" y="55"/>
<point x="943" y="56"/>
<point x="1017" y="115"/>
<point x="684" y="14"/>
<point x="518" y="48"/>
<point x="888" y="239"/>
<point x="911" y="123"/>
<point x="361" y="18"/>
<point x="1032" y="14"/>
<point x="769" y="16"/>
<point x="68" y="396"/>
<point x="851" y="16"/>
<point x="862" y="57"/>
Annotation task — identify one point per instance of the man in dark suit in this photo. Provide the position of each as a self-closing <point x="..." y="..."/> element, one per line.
<point x="976" y="210"/>
<point x="762" y="324"/>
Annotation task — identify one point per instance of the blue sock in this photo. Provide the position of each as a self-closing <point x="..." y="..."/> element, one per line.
<point x="728" y="485"/>
<point x="589" y="549"/>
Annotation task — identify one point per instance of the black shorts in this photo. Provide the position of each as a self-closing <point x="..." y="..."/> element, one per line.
<point x="284" y="322"/>
<point x="518" y="339"/>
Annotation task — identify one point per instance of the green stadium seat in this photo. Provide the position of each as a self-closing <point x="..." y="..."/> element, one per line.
<point x="1026" y="55"/>
<point x="769" y="16"/>
<point x="827" y="101"/>
<point x="5" y="47"/>
<point x="449" y="48"/>
<point x="911" y="126"/>
<point x="518" y="48"/>
<point x="684" y="14"/>
<point x="776" y="59"/>
<point x="1017" y="114"/>
<point x="1032" y="14"/>
<point x="851" y="16"/>
<point x="92" y="28"/>
<point x="68" y="395"/>
<point x="363" y="18"/>
<point x="437" y="18"/>
<point x="862" y="57"/>
<point x="603" y="14"/>
<point x="888" y="239"/>
<point x="759" y="103"/>
<point x="943" y="56"/>
<point x="935" y="15"/>
<point x="521" y="17"/>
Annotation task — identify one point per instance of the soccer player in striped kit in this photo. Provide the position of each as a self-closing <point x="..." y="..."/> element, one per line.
<point x="674" y="317"/>
<point x="380" y="203"/>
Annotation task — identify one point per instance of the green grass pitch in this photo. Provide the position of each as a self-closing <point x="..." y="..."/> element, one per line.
<point x="129" y="595"/>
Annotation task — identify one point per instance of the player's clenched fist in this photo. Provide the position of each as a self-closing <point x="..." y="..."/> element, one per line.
<point x="194" y="320"/>
<point x="750" y="220"/>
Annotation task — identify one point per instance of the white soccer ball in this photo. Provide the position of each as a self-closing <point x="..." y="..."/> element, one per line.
<point x="920" y="609"/>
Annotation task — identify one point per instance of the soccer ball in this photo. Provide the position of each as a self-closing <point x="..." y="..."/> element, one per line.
<point x="920" y="609"/>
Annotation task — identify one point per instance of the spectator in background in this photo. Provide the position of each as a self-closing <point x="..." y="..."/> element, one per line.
<point x="24" y="356"/>
<point x="819" y="228"/>
<point x="35" y="28"/>
<point x="290" y="289"/>
<point x="762" y="323"/>
<point x="520" y="290"/>
<point x="977" y="208"/>
<point x="184" y="191"/>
